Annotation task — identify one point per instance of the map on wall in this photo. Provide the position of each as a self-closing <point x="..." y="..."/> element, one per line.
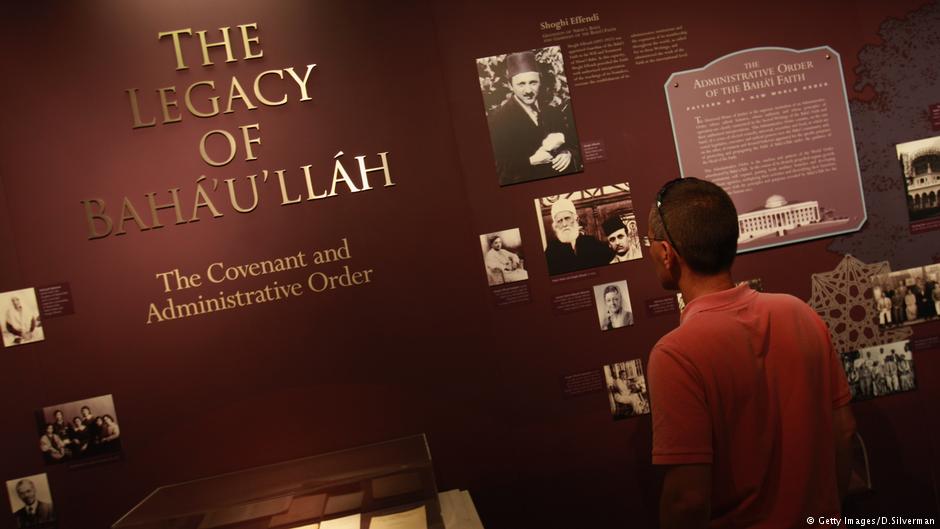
<point x="771" y="126"/>
<point x="902" y="73"/>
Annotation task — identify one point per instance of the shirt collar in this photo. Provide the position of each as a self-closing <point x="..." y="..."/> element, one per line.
<point x="716" y="301"/>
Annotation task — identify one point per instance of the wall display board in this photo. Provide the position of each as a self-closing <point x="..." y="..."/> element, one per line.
<point x="895" y="79"/>
<point x="266" y="230"/>
<point x="772" y="127"/>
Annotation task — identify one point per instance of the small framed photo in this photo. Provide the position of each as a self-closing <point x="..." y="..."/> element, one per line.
<point x="31" y="501"/>
<point x="879" y="370"/>
<point x="502" y="257"/>
<point x="613" y="305"/>
<point x="626" y="389"/>
<point x="19" y="311"/>
<point x="920" y="166"/>
<point x="528" y="111"/>
<point x="907" y="297"/>
<point x="81" y="430"/>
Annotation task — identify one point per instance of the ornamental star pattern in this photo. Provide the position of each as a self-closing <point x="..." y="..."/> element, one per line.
<point x="843" y="299"/>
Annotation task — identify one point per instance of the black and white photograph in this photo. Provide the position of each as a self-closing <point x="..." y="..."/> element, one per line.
<point x="626" y="389"/>
<point x="583" y="229"/>
<point x="79" y="430"/>
<point x="20" y="312"/>
<point x="31" y="501"/>
<point x="528" y="111"/>
<point x="906" y="297"/>
<point x="920" y="165"/>
<point x="613" y="305"/>
<point x="879" y="370"/>
<point x="502" y="257"/>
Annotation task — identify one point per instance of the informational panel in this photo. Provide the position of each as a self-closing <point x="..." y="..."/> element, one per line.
<point x="772" y="127"/>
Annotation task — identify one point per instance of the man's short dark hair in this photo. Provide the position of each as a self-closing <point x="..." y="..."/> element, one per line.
<point x="702" y="224"/>
<point x="611" y="289"/>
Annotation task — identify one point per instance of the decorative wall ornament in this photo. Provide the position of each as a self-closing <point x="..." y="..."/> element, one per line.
<point x="843" y="299"/>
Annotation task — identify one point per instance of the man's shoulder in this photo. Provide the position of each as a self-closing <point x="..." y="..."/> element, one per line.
<point x="507" y="108"/>
<point x="779" y="302"/>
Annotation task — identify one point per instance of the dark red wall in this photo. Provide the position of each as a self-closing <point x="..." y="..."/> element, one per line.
<point x="421" y="348"/>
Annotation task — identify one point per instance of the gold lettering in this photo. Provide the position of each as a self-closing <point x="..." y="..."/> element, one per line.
<point x="302" y="83"/>
<point x="91" y="216"/>
<point x="175" y="35"/>
<point x="364" y="173"/>
<point x="128" y="212"/>
<point x="338" y="169"/>
<point x="263" y="99"/>
<point x="284" y="200"/>
<point x="187" y="98"/>
<point x="154" y="207"/>
<point x="226" y="42"/>
<point x="135" y="110"/>
<point x="311" y="195"/>
<point x="205" y="154"/>
<point x="241" y="95"/>
<point x="166" y="104"/>
<point x="248" y="140"/>
<point x="249" y="41"/>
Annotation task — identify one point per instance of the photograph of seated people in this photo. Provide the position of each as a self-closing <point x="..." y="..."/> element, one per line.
<point x="906" y="297"/>
<point x="502" y="257"/>
<point x="626" y="388"/>
<point x="85" y="435"/>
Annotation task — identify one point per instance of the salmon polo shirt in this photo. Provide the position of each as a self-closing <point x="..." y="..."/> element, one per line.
<point x="748" y="383"/>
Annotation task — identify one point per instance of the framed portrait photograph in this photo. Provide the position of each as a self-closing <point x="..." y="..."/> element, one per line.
<point x="20" y="313"/>
<point x="528" y="111"/>
<point x="920" y="166"/>
<point x="588" y="228"/>
<point x="879" y="370"/>
<point x="502" y="257"/>
<point x="613" y="305"/>
<point x="626" y="389"/>
<point x="81" y="430"/>
<point x="31" y="501"/>
<point x="907" y="297"/>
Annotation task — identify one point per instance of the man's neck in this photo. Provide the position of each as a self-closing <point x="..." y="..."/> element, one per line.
<point x="693" y="285"/>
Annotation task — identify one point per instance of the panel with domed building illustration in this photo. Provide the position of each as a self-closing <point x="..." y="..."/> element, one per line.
<point x="772" y="127"/>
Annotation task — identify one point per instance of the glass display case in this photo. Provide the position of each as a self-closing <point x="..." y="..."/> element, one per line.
<point x="372" y="484"/>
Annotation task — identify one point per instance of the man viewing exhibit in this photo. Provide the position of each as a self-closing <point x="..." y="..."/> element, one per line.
<point x="749" y="400"/>
<point x="531" y="139"/>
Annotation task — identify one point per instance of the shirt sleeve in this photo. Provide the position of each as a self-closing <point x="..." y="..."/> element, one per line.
<point x="682" y="426"/>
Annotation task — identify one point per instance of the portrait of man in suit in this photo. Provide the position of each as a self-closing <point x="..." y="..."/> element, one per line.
<point x="31" y="501"/>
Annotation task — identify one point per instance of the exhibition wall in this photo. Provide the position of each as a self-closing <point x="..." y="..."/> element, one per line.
<point x="331" y="225"/>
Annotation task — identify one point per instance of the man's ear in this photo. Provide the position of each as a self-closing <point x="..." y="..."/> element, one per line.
<point x="669" y="255"/>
